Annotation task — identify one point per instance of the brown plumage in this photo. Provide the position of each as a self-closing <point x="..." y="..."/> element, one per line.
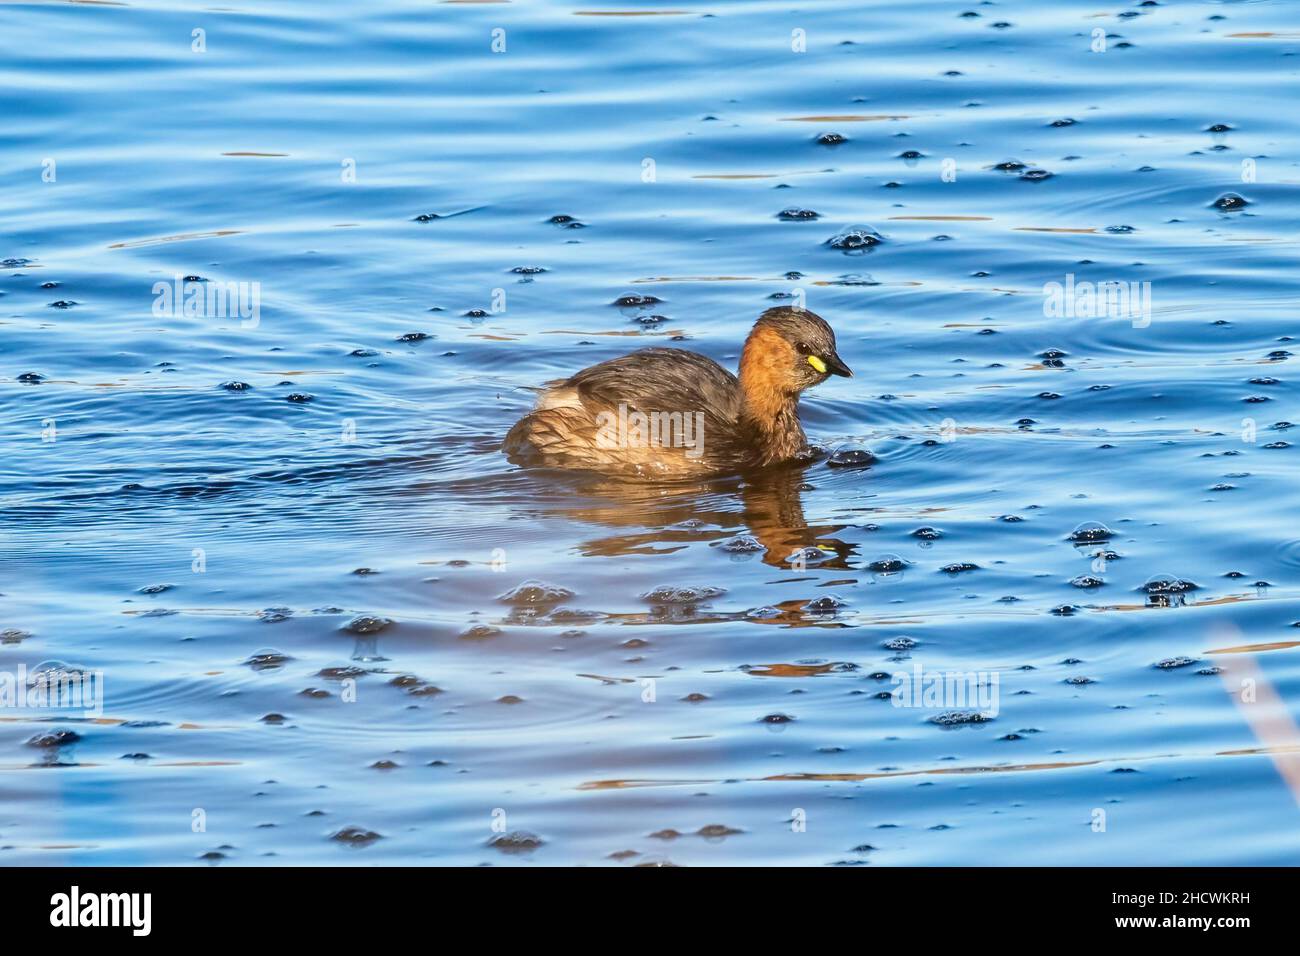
<point x="668" y="413"/>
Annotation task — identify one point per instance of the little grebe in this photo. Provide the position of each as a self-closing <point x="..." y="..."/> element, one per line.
<point x="668" y="413"/>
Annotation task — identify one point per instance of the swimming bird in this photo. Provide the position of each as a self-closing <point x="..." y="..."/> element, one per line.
<point x="663" y="413"/>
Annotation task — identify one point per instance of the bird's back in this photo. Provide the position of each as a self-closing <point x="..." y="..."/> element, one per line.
<point x="658" y="379"/>
<point x="656" y="412"/>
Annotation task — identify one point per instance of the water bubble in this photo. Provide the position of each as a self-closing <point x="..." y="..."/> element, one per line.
<point x="855" y="239"/>
<point x="355" y="836"/>
<point x="887" y="564"/>
<point x="807" y="556"/>
<point x="668" y="594"/>
<point x="1167" y="584"/>
<point x="534" y="592"/>
<point x="1090" y="531"/>
<point x="1230" y="202"/>
<point x="850" y="458"/>
<point x="634" y="301"/>
<point x="828" y="604"/>
<point x="54" y="738"/>
<point x="958" y="718"/>
<point x="520" y="841"/>
<point x="342" y="672"/>
<point x="714" y="831"/>
<point x="743" y="544"/>
<point x="367" y="624"/>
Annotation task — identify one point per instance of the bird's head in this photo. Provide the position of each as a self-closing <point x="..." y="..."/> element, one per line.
<point x="790" y="350"/>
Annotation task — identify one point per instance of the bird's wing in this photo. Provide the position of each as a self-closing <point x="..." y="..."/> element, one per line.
<point x="661" y="380"/>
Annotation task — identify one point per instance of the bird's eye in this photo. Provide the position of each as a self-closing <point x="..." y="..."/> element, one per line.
<point x="804" y="348"/>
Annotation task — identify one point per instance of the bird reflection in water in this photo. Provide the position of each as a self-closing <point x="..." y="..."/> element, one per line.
<point x="765" y="505"/>
<point x="760" y="513"/>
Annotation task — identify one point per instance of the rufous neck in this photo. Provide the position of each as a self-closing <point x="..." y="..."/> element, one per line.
<point x="769" y="406"/>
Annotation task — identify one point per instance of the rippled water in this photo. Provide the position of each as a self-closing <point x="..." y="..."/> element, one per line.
<point x="165" y="530"/>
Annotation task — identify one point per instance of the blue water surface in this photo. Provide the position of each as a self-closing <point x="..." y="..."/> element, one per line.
<point x="199" y="505"/>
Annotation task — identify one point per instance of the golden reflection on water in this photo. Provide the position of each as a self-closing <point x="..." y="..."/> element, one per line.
<point x="846" y="118"/>
<point x="182" y="237"/>
<point x="795" y="172"/>
<point x="791" y="670"/>
<point x="1288" y="751"/>
<point x="631" y="13"/>
<point x="1253" y="648"/>
<point x="770" y="508"/>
